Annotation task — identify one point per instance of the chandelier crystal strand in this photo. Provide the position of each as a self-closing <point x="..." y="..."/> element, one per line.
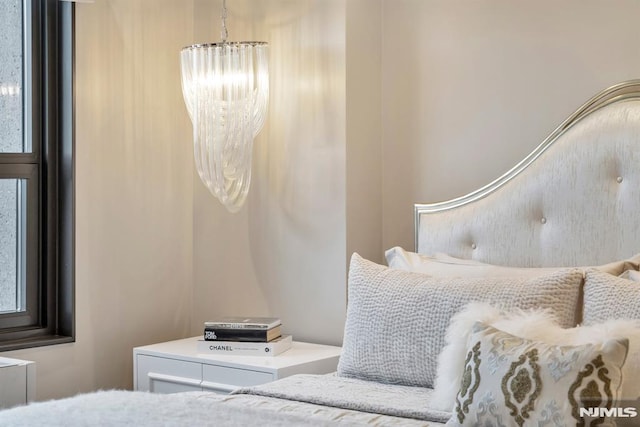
<point x="226" y="90"/>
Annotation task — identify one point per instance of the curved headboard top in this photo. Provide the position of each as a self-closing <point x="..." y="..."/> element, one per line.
<point x="575" y="200"/>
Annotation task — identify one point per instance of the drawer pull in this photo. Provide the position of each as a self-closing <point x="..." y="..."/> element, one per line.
<point x="218" y="387"/>
<point x="173" y="379"/>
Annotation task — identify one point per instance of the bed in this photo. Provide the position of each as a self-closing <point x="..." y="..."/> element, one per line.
<point x="515" y="266"/>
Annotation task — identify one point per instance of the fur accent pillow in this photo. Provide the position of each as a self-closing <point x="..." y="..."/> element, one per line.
<point x="396" y="320"/>
<point x="536" y="325"/>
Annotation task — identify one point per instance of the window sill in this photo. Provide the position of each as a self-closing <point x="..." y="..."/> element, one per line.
<point x="32" y="342"/>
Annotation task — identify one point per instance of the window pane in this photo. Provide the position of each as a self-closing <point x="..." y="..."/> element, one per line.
<point x="11" y="77"/>
<point x="12" y="284"/>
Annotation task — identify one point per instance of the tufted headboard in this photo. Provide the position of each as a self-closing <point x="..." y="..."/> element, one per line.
<point x="575" y="200"/>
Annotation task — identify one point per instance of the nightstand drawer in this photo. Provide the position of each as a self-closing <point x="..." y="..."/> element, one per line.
<point x="164" y="375"/>
<point x="223" y="379"/>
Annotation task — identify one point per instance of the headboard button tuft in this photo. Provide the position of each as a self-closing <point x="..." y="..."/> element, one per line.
<point x="473" y="246"/>
<point x="619" y="179"/>
<point x="543" y="220"/>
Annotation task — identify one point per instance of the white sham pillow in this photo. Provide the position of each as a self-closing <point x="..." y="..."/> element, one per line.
<point x="535" y="325"/>
<point x="630" y="275"/>
<point x="443" y="265"/>
<point x="609" y="297"/>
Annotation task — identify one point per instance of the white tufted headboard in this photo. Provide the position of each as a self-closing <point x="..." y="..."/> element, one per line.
<point x="575" y="200"/>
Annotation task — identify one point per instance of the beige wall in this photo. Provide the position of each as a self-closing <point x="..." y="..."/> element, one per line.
<point x="364" y="128"/>
<point x="471" y="87"/>
<point x="284" y="253"/>
<point x="133" y="194"/>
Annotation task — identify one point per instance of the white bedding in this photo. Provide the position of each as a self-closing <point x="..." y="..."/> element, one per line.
<point x="288" y="402"/>
<point x="355" y="394"/>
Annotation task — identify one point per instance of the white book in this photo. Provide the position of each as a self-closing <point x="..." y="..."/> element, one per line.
<point x="243" y="323"/>
<point x="239" y="348"/>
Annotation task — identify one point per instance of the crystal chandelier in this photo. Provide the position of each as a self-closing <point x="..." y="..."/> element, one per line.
<point x="226" y="90"/>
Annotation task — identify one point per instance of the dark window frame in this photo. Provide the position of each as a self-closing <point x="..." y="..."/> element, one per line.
<point x="49" y="173"/>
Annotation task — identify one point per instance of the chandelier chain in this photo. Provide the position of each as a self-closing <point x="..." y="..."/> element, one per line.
<point x="224" y="32"/>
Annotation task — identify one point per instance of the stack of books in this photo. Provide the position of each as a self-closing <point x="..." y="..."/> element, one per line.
<point x="244" y="336"/>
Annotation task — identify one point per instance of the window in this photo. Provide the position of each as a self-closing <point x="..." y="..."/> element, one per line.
<point x="36" y="173"/>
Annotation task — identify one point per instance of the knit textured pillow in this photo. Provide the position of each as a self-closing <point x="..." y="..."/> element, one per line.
<point x="397" y="320"/>
<point x="609" y="297"/>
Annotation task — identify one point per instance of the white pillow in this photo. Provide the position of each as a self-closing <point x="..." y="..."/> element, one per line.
<point x="513" y="381"/>
<point x="630" y="275"/>
<point x="396" y="320"/>
<point x="442" y="265"/>
<point x="609" y="297"/>
<point x="536" y="325"/>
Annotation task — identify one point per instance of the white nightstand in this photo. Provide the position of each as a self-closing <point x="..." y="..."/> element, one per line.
<point x="175" y="366"/>
<point x="18" y="382"/>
